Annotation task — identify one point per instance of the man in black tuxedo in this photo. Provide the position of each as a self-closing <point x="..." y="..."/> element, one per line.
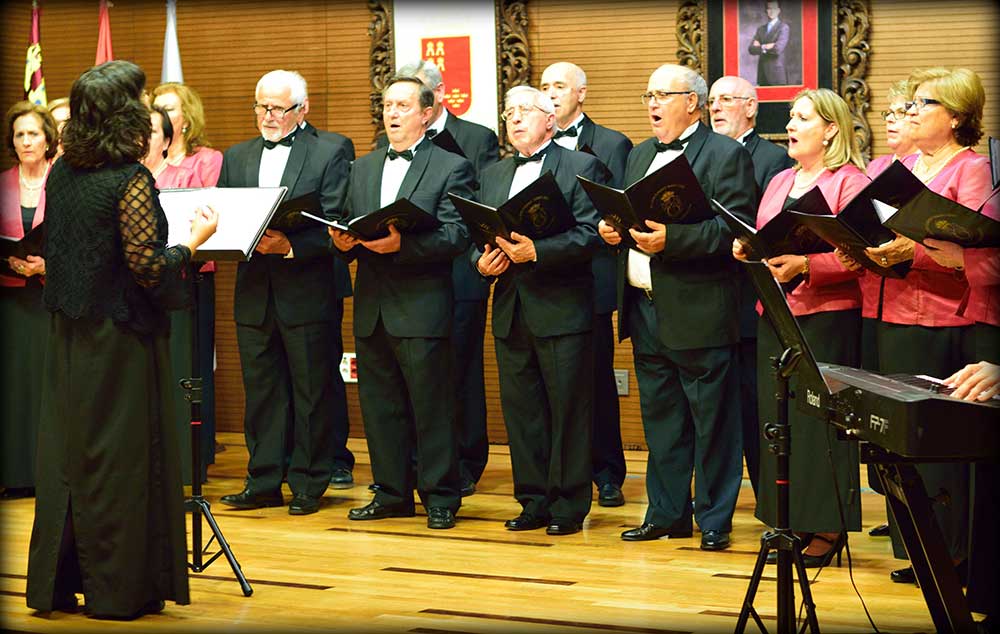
<point x="566" y="86"/>
<point x="284" y="305"/>
<point x="542" y="315"/>
<point x="769" y="43"/>
<point x="343" y="459"/>
<point x="677" y="299"/>
<point x="732" y="105"/>
<point x="479" y="144"/>
<point x="403" y="311"/>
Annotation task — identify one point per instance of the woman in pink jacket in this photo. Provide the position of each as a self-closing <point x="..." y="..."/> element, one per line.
<point x="827" y="305"/>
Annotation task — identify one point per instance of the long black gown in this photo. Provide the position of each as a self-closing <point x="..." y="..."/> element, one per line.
<point x="109" y="516"/>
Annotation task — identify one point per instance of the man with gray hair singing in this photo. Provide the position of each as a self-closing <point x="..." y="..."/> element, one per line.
<point x="542" y="321"/>
<point x="678" y="302"/>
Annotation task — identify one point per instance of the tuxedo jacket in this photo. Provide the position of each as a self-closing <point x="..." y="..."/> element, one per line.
<point x="342" y="274"/>
<point x="555" y="293"/>
<point x="768" y="159"/>
<point x="693" y="278"/>
<point x="612" y="148"/>
<point x="302" y="288"/>
<point x="410" y="289"/>
<point x="481" y="148"/>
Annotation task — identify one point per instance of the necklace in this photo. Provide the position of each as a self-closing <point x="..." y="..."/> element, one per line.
<point x="159" y="169"/>
<point x="812" y="179"/>
<point x="926" y="171"/>
<point x="32" y="187"/>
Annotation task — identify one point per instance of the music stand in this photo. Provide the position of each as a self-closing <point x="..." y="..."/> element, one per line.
<point x="796" y="358"/>
<point x="244" y="215"/>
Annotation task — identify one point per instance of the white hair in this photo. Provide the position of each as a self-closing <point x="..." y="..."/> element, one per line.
<point x="286" y="79"/>
<point x="539" y="98"/>
<point x="428" y="70"/>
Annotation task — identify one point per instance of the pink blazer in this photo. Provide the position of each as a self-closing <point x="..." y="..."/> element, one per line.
<point x="206" y="164"/>
<point x="10" y="217"/>
<point x="830" y="286"/>
<point x="982" y="272"/>
<point x="930" y="295"/>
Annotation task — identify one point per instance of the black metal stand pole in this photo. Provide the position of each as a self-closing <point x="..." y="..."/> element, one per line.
<point x="197" y="504"/>
<point x="781" y="538"/>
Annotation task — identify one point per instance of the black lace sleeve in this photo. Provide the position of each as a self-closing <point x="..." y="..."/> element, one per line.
<point x="143" y="231"/>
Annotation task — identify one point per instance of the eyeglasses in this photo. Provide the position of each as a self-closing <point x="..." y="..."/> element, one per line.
<point x="661" y="96"/>
<point x="897" y="114"/>
<point x="276" y="112"/>
<point x="725" y="100"/>
<point x="921" y="103"/>
<point x="521" y="110"/>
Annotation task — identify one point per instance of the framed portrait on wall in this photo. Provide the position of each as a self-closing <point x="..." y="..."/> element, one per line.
<point x="779" y="46"/>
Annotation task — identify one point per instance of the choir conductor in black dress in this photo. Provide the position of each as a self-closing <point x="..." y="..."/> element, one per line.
<point x="109" y="512"/>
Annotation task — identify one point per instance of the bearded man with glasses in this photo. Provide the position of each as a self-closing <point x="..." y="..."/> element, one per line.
<point x="284" y="305"/>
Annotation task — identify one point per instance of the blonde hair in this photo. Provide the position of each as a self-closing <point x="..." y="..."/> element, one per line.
<point x="961" y="92"/>
<point x="898" y="89"/>
<point x="843" y="146"/>
<point x="193" y="132"/>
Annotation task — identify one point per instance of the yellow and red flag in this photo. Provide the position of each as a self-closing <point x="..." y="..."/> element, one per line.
<point x="104" y="53"/>
<point x="34" y="82"/>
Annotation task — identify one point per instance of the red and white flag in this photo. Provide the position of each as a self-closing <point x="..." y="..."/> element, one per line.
<point x="104" y="53"/>
<point x="34" y="82"/>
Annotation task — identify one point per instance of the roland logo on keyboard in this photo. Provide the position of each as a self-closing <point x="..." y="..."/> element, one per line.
<point x="877" y="423"/>
<point x="812" y="399"/>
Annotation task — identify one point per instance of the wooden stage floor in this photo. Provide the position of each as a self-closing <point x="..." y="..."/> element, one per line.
<point x="322" y="572"/>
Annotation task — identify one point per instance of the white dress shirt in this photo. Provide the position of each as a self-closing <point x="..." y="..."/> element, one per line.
<point x="272" y="167"/>
<point x="393" y="173"/>
<point x="527" y="174"/>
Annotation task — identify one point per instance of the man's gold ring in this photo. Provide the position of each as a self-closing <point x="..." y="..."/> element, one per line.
<point x="885" y="261"/>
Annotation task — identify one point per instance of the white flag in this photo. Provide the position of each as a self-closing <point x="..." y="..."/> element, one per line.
<point x="172" y="71"/>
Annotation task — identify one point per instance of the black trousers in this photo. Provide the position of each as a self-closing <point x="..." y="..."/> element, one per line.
<point x="747" y="360"/>
<point x="606" y="438"/>
<point x="467" y="332"/>
<point x="547" y="396"/>
<point x="691" y="417"/>
<point x="407" y="392"/>
<point x="287" y="376"/>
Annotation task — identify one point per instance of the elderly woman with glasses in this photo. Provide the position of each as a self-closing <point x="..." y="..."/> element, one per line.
<point x="827" y="305"/>
<point x="32" y="139"/>
<point x="924" y="327"/>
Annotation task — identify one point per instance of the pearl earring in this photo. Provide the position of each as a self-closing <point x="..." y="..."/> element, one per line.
<point x="825" y="143"/>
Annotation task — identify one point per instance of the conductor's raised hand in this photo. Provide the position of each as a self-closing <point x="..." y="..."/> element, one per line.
<point x="652" y="242"/>
<point x="389" y="244"/>
<point x="203" y="226"/>
<point x="493" y="262"/>
<point x="608" y="233"/>
<point x="342" y="240"/>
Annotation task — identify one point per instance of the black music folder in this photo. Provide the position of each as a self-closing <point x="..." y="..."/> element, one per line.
<point x="995" y="161"/>
<point x="839" y="233"/>
<point x="404" y="215"/>
<point x="538" y="211"/>
<point x="446" y="141"/>
<point x="33" y="243"/>
<point x="288" y="216"/>
<point x="670" y="195"/>
<point x="918" y="213"/>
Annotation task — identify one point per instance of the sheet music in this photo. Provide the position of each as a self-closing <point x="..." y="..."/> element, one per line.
<point x="243" y="213"/>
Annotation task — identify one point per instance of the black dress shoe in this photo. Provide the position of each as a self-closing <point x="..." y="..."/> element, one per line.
<point x="562" y="527"/>
<point x="247" y="499"/>
<point x="882" y="530"/>
<point x="440" y="517"/>
<point x="341" y="479"/>
<point x="648" y="532"/>
<point x="714" y="540"/>
<point x="65" y="602"/>
<point x="375" y="510"/>
<point x="610" y="495"/>
<point x="468" y="488"/>
<point x="303" y="504"/>
<point x="903" y="575"/>
<point x="525" y="522"/>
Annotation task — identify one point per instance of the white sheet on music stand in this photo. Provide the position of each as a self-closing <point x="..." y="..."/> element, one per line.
<point x="242" y="213"/>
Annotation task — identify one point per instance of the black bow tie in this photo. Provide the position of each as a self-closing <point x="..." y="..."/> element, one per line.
<point x="571" y="131"/>
<point x="430" y="134"/>
<point x="287" y="141"/>
<point x="405" y="154"/>
<point x="676" y="144"/>
<point x="522" y="160"/>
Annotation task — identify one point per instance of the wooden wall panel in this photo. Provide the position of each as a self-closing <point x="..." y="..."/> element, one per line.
<point x="227" y="45"/>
